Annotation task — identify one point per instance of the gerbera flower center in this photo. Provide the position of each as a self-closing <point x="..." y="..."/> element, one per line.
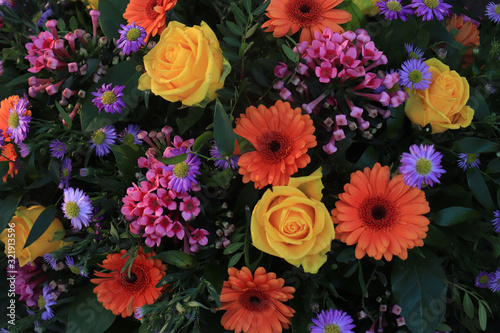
<point x="423" y="166"/>
<point x="99" y="137"/>
<point x="72" y="209"/>
<point x="128" y="139"/>
<point x="137" y="281"/>
<point x="151" y="13"/>
<point x="254" y="299"/>
<point x="471" y="158"/>
<point x="304" y="12"/>
<point x="394" y="6"/>
<point x="483" y="279"/>
<point x="274" y="146"/>
<point x="431" y="4"/>
<point x="415" y="76"/>
<point x="108" y="97"/>
<point x="14" y="120"/>
<point x="133" y="34"/>
<point x="181" y="170"/>
<point x="378" y="214"/>
<point x="332" y="328"/>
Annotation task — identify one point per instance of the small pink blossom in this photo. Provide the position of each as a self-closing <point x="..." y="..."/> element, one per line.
<point x="175" y="229"/>
<point x="199" y="236"/>
<point x="325" y="72"/>
<point x="189" y="208"/>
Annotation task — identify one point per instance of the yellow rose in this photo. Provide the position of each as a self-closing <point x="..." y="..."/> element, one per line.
<point x="443" y="104"/>
<point x="15" y="235"/>
<point x="368" y="7"/>
<point x="292" y="223"/>
<point x="186" y="65"/>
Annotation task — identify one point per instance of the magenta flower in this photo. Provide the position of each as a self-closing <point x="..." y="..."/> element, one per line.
<point x="189" y="207"/>
<point x="325" y="72"/>
<point x="175" y="229"/>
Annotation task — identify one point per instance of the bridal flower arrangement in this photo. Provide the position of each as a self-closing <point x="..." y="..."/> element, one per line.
<point x="250" y="166"/>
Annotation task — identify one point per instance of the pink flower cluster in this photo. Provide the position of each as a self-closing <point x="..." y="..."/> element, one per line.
<point x="341" y="62"/>
<point x="28" y="282"/>
<point x="155" y="209"/>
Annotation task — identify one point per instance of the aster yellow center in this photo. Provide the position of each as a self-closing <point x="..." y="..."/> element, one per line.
<point x="41" y="302"/>
<point x="72" y="209"/>
<point x="415" y="76"/>
<point x="108" y="97"/>
<point x="13" y="120"/>
<point x="413" y="55"/>
<point x="98" y="137"/>
<point x="431" y="4"/>
<point x="133" y="34"/>
<point x="423" y="166"/>
<point x="471" y="158"/>
<point x="65" y="172"/>
<point x="74" y="270"/>
<point x="332" y="328"/>
<point x="394" y="6"/>
<point x="180" y="170"/>
<point x="497" y="9"/>
<point x="483" y="279"/>
<point x="128" y="139"/>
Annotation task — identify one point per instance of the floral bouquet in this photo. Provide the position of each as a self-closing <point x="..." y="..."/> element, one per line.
<point x="250" y="166"/>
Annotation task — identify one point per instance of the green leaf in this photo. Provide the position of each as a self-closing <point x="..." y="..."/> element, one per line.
<point x="214" y="293"/>
<point x="479" y="189"/>
<point x="193" y="115"/>
<point x="369" y="157"/>
<point x="19" y="80"/>
<point x="261" y="9"/>
<point x="232" y="41"/>
<point x="87" y="315"/>
<point x="455" y="215"/>
<point x="493" y="165"/>
<point x="420" y="286"/>
<point x="234" y="259"/>
<point x="248" y="6"/>
<point x="177" y="258"/>
<point x="111" y="17"/>
<point x="126" y="159"/>
<point x="358" y="18"/>
<point x="43" y="221"/>
<point x="290" y="54"/>
<point x="8" y="208"/>
<point x="238" y="14"/>
<point x="4" y="168"/>
<point x="475" y="146"/>
<point x="174" y="159"/>
<point x="73" y="23"/>
<point x="437" y="238"/>
<point x="346" y="255"/>
<point x="483" y="319"/>
<point x="223" y="131"/>
<point x="478" y="103"/>
<point x="63" y="114"/>
<point x="234" y="28"/>
<point x="468" y="306"/>
<point x="202" y="139"/>
<point x="233" y="247"/>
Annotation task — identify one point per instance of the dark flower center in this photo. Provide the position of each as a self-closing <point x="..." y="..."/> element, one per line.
<point x="254" y="299"/>
<point x="274" y="146"/>
<point x="378" y="214"/>
<point x="305" y="13"/>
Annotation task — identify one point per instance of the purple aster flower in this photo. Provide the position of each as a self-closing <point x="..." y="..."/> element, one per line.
<point x="45" y="301"/>
<point x="70" y="262"/>
<point x="129" y="135"/>
<point x="393" y="9"/>
<point x="224" y="162"/>
<point x="494" y="284"/>
<point x="45" y="15"/>
<point x="182" y="176"/>
<point x="24" y="150"/>
<point x="496" y="221"/>
<point x="109" y="99"/>
<point x="18" y="123"/>
<point x="77" y="207"/>
<point x="65" y="173"/>
<point x="332" y="321"/>
<point x="102" y="139"/>
<point x="493" y="12"/>
<point x="414" y="52"/>
<point x="428" y="8"/>
<point x="423" y="164"/>
<point x="468" y="161"/>
<point x="483" y="279"/>
<point x="50" y="260"/>
<point x="131" y="38"/>
<point x="415" y="74"/>
<point x="57" y="149"/>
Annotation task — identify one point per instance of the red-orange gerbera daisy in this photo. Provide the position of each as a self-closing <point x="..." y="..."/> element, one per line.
<point x="281" y="136"/>
<point x="288" y="16"/>
<point x="253" y="304"/>
<point x="149" y="14"/>
<point x="468" y="35"/>
<point x="122" y="293"/>
<point x="382" y="215"/>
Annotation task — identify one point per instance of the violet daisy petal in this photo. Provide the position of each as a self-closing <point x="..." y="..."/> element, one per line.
<point x="18" y="122"/>
<point x="427" y="9"/>
<point x="57" y="149"/>
<point x="131" y="38"/>
<point x="394" y="9"/>
<point x="496" y="221"/>
<point x="494" y="284"/>
<point x="422" y="165"/>
<point x="101" y="140"/>
<point x="109" y="98"/>
<point x="493" y="12"/>
<point x="415" y="74"/>
<point x="77" y="208"/>
<point x="332" y="321"/>
<point x="466" y="161"/>
<point x="483" y="279"/>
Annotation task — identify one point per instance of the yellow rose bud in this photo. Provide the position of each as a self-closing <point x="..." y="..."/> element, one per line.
<point x="185" y="65"/>
<point x="20" y="226"/>
<point x="292" y="223"/>
<point x="443" y="104"/>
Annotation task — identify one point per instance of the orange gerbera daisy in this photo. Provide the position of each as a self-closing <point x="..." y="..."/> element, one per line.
<point x="382" y="215"/>
<point x="122" y="293"/>
<point x="281" y="136"/>
<point x="468" y="35"/>
<point x="149" y="14"/>
<point x="288" y="16"/>
<point x="8" y="153"/>
<point x="253" y="304"/>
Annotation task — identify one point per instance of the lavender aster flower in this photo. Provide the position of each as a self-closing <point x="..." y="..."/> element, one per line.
<point x="109" y="98"/>
<point x="332" y="321"/>
<point x="77" y="207"/>
<point x="50" y="260"/>
<point x="483" y="279"/>
<point x="101" y="140"/>
<point x="423" y="164"/>
<point x="224" y="162"/>
<point x="18" y="123"/>
<point x="57" y="149"/>
<point x="24" y="150"/>
<point x="45" y="15"/>
<point x="182" y="175"/>
<point x="65" y="173"/>
<point x="45" y="301"/>
<point x="428" y="8"/>
<point x="493" y="12"/>
<point x="131" y="38"/>
<point x="415" y="74"/>
<point x="494" y="284"/>
<point x="413" y="52"/>
<point x="129" y="135"/>
<point x="393" y="9"/>
<point x="468" y="161"/>
<point x="496" y="221"/>
<point x="70" y="262"/>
